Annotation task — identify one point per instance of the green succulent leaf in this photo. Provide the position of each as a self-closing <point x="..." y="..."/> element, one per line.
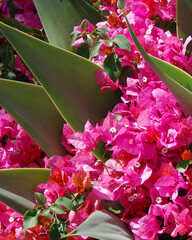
<point x="59" y="18"/>
<point x="22" y="181"/>
<point x="30" y="106"/>
<point x="41" y="199"/>
<point x="31" y="218"/>
<point x="114" y="207"/>
<point x="16" y="202"/>
<point x="67" y="203"/>
<point x="122" y="42"/>
<point x="104" y="226"/>
<point x="184" y="18"/>
<point x="32" y="31"/>
<point x="67" y="78"/>
<point x="177" y="81"/>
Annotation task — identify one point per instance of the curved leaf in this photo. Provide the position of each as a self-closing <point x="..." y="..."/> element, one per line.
<point x="184" y="19"/>
<point x="177" y="81"/>
<point x="103" y="225"/>
<point x="13" y="23"/>
<point x="59" y="18"/>
<point x="31" y="218"/>
<point x="14" y="201"/>
<point x="67" y="78"/>
<point x="30" y="106"/>
<point x="22" y="181"/>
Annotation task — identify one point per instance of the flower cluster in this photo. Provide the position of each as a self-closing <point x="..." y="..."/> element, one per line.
<point x="17" y="149"/>
<point x="23" y="11"/>
<point x="143" y="138"/>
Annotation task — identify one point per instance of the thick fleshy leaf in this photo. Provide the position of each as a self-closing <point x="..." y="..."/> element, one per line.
<point x="16" y="202"/>
<point x="67" y="78"/>
<point x="13" y="23"/>
<point x="22" y="181"/>
<point x="59" y="18"/>
<point x="184" y="19"/>
<point x="30" y="106"/>
<point x="177" y="81"/>
<point x="104" y="226"/>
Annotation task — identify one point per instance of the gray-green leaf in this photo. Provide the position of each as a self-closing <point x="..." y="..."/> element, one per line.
<point x="104" y="226"/>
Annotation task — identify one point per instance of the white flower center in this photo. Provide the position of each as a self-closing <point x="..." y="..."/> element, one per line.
<point x="11" y="219"/>
<point x="148" y="32"/>
<point x="144" y="79"/>
<point x="131" y="198"/>
<point x="131" y="141"/>
<point x="137" y="164"/>
<point x="164" y="150"/>
<point x="113" y="130"/>
<point x="158" y="200"/>
<point x="190" y="197"/>
<point x="150" y="27"/>
<point x="135" y="195"/>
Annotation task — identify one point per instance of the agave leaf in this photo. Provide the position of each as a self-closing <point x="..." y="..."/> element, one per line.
<point x="103" y="225"/>
<point x="17" y="186"/>
<point x="14" y="201"/>
<point x="22" y="181"/>
<point x="67" y="78"/>
<point x="59" y="18"/>
<point x="32" y="31"/>
<point x="177" y="81"/>
<point x="184" y="19"/>
<point x="30" y="106"/>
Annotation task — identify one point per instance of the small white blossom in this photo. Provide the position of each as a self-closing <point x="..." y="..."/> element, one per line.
<point x="158" y="200"/>
<point x="131" y="198"/>
<point x="164" y="150"/>
<point x="135" y="195"/>
<point x="190" y="197"/>
<point x="11" y="219"/>
<point x="137" y="165"/>
<point x="144" y="79"/>
<point x="150" y="27"/>
<point x="131" y="141"/>
<point x="113" y="130"/>
<point x="148" y="32"/>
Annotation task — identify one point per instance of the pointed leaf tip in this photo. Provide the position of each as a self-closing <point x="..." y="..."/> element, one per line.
<point x="104" y="226"/>
<point x="179" y="86"/>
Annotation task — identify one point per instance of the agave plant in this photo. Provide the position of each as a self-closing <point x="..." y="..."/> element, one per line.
<point x="68" y="94"/>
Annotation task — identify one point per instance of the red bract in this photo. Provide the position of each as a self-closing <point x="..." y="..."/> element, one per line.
<point x="59" y="177"/>
<point x="143" y="138"/>
<point x="81" y="181"/>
